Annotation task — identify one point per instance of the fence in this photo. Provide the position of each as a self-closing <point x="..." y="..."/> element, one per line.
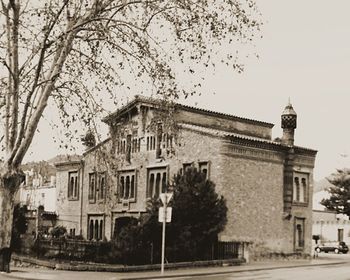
<point x="109" y="251"/>
<point x="229" y="250"/>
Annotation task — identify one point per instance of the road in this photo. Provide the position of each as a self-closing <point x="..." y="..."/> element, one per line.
<point x="331" y="272"/>
<point x="317" y="272"/>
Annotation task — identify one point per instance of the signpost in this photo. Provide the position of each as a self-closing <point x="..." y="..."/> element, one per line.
<point x="164" y="216"/>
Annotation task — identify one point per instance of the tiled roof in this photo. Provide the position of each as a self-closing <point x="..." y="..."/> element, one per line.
<point x="154" y="101"/>
<point x="222" y="133"/>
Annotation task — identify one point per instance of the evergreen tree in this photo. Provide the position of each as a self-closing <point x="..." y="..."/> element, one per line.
<point x="339" y="200"/>
<point x="198" y="216"/>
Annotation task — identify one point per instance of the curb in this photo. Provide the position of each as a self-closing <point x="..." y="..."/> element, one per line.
<point x="97" y="267"/>
<point x="227" y="271"/>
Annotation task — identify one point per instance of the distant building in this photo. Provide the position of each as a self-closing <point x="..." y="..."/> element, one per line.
<point x="328" y="226"/>
<point x="267" y="183"/>
<point x="39" y="187"/>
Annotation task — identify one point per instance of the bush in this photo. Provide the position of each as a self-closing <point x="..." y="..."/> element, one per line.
<point x="58" y="231"/>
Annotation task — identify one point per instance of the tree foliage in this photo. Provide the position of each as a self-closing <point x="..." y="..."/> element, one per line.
<point x="67" y="52"/>
<point x="339" y="200"/>
<point x="198" y="216"/>
<point x="89" y="139"/>
<point x="76" y="54"/>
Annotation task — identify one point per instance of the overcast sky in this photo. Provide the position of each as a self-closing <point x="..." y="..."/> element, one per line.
<point x="305" y="55"/>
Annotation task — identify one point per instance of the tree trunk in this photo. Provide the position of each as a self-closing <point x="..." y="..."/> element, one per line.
<point x="9" y="184"/>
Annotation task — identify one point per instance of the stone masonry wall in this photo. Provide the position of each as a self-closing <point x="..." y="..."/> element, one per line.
<point x="250" y="179"/>
<point x="253" y="189"/>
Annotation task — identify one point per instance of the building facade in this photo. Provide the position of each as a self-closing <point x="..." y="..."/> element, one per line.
<point x="38" y="190"/>
<point x="267" y="183"/>
<point x="328" y="226"/>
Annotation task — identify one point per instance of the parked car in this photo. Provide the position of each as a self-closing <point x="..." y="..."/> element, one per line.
<point x="336" y="247"/>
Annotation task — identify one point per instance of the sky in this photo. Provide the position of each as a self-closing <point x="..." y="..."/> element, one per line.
<point x="304" y="55"/>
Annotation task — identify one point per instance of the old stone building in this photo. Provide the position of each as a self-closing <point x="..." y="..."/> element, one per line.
<point x="267" y="183"/>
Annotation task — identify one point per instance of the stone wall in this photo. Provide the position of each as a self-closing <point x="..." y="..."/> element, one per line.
<point x="253" y="189"/>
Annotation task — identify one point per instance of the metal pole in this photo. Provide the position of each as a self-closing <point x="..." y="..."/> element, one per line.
<point x="163" y="238"/>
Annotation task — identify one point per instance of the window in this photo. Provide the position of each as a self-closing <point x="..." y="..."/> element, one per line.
<point x="167" y="140"/>
<point x="95" y="227"/>
<point x="157" y="180"/>
<point x="128" y="148"/>
<point x="127" y="185"/>
<point x="204" y="168"/>
<point x="151" y="143"/>
<point x="136" y="143"/>
<point x="300" y="188"/>
<point x="92" y="187"/>
<point x="340" y="234"/>
<point x="186" y="166"/>
<point x="97" y="186"/>
<point x="101" y="185"/>
<point x="121" y="146"/>
<point x="73" y="187"/>
<point x="299" y="233"/>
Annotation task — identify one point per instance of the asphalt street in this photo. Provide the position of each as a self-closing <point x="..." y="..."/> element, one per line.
<point x="332" y="272"/>
<point x="326" y="267"/>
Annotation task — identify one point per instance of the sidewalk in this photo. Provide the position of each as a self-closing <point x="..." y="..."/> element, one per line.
<point x="48" y="274"/>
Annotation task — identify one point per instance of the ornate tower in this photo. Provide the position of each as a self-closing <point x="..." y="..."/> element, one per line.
<point x="289" y="124"/>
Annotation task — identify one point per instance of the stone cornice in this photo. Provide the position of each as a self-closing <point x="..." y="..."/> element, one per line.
<point x="252" y="153"/>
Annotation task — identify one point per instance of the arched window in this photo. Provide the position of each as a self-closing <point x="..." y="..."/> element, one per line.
<point x="96" y="230"/>
<point x="121" y="195"/>
<point x="303" y="190"/>
<point x="164" y="185"/>
<point x="132" y="187"/>
<point x="151" y="185"/>
<point x="101" y="230"/>
<point x="157" y="181"/>
<point x="300" y="187"/>
<point x="73" y="185"/>
<point x="157" y="188"/>
<point x="127" y="187"/>
<point x="103" y="186"/>
<point x="91" y="230"/>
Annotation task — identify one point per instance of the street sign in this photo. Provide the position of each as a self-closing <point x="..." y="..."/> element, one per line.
<point x="164" y="216"/>
<point x="165" y="197"/>
<point x="161" y="214"/>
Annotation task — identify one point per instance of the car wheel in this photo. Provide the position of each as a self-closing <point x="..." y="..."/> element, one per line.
<point x="318" y="250"/>
<point x="336" y="251"/>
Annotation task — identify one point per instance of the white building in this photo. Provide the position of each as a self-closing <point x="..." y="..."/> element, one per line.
<point x="328" y="225"/>
<point x="37" y="192"/>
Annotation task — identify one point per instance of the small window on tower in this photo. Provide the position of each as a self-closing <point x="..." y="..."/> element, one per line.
<point x="204" y="168"/>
